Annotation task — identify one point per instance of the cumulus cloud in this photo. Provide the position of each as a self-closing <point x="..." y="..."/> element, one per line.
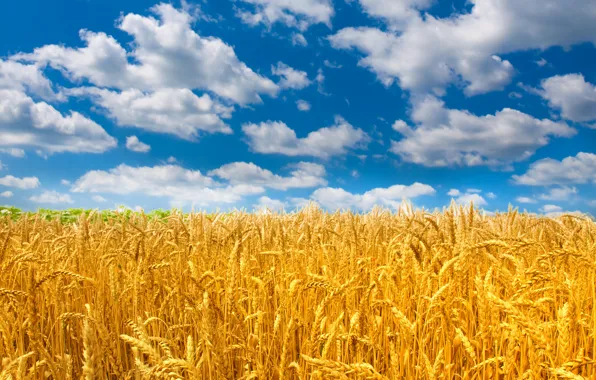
<point x="6" y="194"/>
<point x="491" y="195"/>
<point x="571" y="95"/>
<point x="126" y="179"/>
<point x="466" y="199"/>
<point x="525" y="200"/>
<point x="470" y="195"/>
<point x="272" y="137"/>
<point x="337" y="198"/>
<point x="295" y="13"/>
<point x="98" y="199"/>
<point x="166" y="53"/>
<point x="290" y="77"/>
<point x="303" y="175"/>
<point x="178" y="112"/>
<point x="303" y="105"/>
<point x="564" y="193"/>
<point x="25" y="123"/>
<point x="65" y="182"/>
<point x="20" y="183"/>
<point x="320" y="79"/>
<point x="26" y="78"/>
<point x="51" y="197"/>
<point x="556" y="214"/>
<point x="170" y="181"/>
<point x="396" y="13"/>
<point x="332" y="65"/>
<point x="299" y="203"/>
<point x="550" y="209"/>
<point x="134" y="144"/>
<point x="449" y="137"/>
<point x="298" y="39"/>
<point x="14" y="152"/>
<point x="430" y="53"/>
<point x="266" y="203"/>
<point x="577" y="169"/>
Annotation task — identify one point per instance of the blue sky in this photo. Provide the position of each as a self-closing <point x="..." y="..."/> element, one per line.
<point x="251" y="103"/>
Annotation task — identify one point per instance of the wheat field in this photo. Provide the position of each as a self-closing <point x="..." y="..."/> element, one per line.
<point x="305" y="295"/>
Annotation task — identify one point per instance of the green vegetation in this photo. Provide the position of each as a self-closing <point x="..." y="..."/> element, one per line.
<point x="72" y="215"/>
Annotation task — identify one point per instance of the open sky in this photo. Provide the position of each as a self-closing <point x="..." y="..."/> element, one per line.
<point x="220" y="104"/>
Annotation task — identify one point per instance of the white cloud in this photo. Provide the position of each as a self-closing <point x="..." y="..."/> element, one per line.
<point x="6" y="194"/>
<point x="303" y="175"/>
<point x="303" y="105"/>
<point x="276" y="205"/>
<point x="332" y="65"/>
<point x="51" y="197"/>
<point x="550" y="209"/>
<point x="25" y="123"/>
<point x="556" y="214"/>
<point x="26" y="78"/>
<point x="491" y="195"/>
<point x="397" y="13"/>
<point x="20" y="183"/>
<point x="449" y="137"/>
<point x="299" y="202"/>
<point x="579" y="169"/>
<point x="171" y="160"/>
<point x="541" y="62"/>
<point x="320" y="79"/>
<point x="171" y="181"/>
<point x="337" y="198"/>
<point x="299" y="40"/>
<point x="470" y="195"/>
<point x="429" y="53"/>
<point x="42" y="154"/>
<point x="134" y="144"/>
<point x="98" y="199"/>
<point x="571" y="95"/>
<point x="123" y="208"/>
<point x="564" y="193"/>
<point x="15" y="152"/>
<point x="525" y="200"/>
<point x="166" y="53"/>
<point x="266" y="203"/>
<point x="401" y="126"/>
<point x="173" y="111"/>
<point x="477" y="199"/>
<point x="276" y="137"/>
<point x="295" y="13"/>
<point x="290" y="77"/>
<point x="65" y="182"/>
<point x="126" y="179"/>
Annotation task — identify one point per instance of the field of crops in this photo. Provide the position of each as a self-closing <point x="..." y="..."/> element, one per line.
<point x="305" y="295"/>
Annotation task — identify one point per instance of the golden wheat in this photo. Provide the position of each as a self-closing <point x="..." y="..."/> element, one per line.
<point x="306" y="295"/>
